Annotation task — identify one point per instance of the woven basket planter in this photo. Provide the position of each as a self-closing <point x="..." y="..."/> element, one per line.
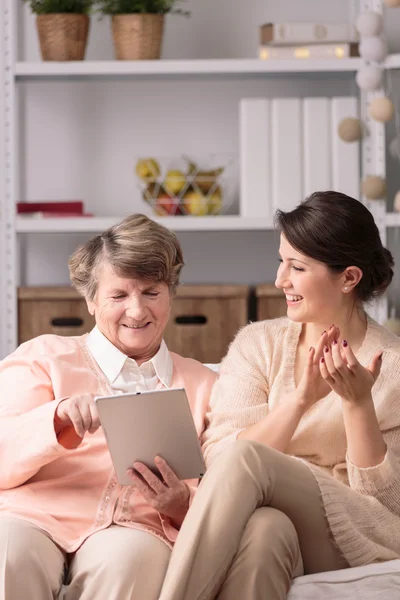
<point x="62" y="36"/>
<point x="137" y="36"/>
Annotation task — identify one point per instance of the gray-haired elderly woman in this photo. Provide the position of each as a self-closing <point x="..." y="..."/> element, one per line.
<point x="62" y="510"/>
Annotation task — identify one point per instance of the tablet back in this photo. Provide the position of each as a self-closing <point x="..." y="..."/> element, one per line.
<point x="140" y="426"/>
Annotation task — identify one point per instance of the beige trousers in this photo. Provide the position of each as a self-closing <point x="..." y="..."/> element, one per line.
<point x="114" y="564"/>
<point x="256" y="519"/>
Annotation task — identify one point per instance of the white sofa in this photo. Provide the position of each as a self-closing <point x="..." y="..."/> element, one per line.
<point x="380" y="581"/>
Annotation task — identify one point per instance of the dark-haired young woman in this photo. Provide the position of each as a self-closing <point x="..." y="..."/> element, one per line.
<point x="313" y="484"/>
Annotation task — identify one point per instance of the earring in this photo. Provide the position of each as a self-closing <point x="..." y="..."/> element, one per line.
<point x="346" y="288"/>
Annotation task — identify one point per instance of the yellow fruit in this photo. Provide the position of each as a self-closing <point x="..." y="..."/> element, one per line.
<point x="147" y="169"/>
<point x="195" y="204"/>
<point x="214" y="202"/>
<point x="174" y="181"/>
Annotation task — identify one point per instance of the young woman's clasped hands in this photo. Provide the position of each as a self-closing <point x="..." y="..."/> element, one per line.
<point x="342" y="372"/>
<point x="332" y="366"/>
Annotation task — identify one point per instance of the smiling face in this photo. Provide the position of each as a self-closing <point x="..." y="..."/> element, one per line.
<point x="313" y="293"/>
<point x="131" y="313"/>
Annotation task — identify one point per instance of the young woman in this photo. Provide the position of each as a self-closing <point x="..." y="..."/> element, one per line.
<point x="313" y="484"/>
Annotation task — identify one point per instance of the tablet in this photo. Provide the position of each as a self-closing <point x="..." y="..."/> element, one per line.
<point x="140" y="426"/>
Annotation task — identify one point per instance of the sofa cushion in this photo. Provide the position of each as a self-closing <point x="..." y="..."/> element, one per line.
<point x="372" y="582"/>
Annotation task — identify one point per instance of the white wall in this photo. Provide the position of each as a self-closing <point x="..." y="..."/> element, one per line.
<point x="81" y="139"/>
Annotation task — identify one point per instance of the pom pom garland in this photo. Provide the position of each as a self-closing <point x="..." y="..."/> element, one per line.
<point x="374" y="187"/>
<point x="350" y="129"/>
<point x="369" y="24"/>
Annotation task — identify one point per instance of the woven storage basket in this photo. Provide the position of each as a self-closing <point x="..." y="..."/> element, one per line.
<point x="137" y="36"/>
<point x="62" y="36"/>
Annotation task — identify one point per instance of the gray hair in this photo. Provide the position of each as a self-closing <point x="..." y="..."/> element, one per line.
<point x="135" y="247"/>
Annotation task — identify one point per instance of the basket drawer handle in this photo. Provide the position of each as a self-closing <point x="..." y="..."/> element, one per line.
<point x="66" y="322"/>
<point x="191" y="320"/>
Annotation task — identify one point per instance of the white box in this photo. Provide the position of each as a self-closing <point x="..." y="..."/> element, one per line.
<point x="287" y="153"/>
<point x="345" y="155"/>
<point x="316" y="145"/>
<point x="255" y="158"/>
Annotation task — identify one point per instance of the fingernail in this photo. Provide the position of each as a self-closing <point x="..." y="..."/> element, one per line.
<point x="344" y="343"/>
<point x="331" y="326"/>
<point x="326" y="349"/>
<point x="310" y="348"/>
<point x="322" y="359"/>
<point x="323" y="333"/>
<point x="380" y="358"/>
<point x="334" y="342"/>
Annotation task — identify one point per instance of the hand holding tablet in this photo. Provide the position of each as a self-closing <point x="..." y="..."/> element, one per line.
<point x="138" y="427"/>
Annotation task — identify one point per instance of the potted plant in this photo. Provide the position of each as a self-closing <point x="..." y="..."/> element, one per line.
<point x="63" y="27"/>
<point x="138" y="25"/>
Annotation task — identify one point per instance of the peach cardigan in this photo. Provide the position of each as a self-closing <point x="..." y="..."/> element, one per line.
<point x="72" y="493"/>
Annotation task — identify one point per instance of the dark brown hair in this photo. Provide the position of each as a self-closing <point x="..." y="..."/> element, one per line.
<point x="340" y="232"/>
<point x="135" y="247"/>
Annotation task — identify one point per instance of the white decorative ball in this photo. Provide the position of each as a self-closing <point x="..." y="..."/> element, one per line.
<point x="369" y="24"/>
<point x="381" y="109"/>
<point x="374" y="187"/>
<point x="369" y="77"/>
<point x="393" y="325"/>
<point x="391" y="3"/>
<point x="373" y="49"/>
<point x="396" y="202"/>
<point x="350" y="129"/>
<point x="394" y="148"/>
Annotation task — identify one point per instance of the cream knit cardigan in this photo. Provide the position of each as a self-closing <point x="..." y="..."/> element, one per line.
<point x="362" y="505"/>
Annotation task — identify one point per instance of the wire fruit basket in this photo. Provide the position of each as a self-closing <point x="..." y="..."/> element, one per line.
<point x="186" y="186"/>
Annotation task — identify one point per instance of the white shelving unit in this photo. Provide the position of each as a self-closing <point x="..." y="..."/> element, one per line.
<point x="13" y="72"/>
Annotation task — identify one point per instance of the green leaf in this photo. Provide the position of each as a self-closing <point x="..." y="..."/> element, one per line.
<point x="121" y="7"/>
<point x="45" y="7"/>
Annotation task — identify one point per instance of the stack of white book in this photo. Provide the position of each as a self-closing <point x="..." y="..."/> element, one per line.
<point x="289" y="148"/>
<point x="308" y="41"/>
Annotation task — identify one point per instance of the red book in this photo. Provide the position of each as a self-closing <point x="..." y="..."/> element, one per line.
<point x="54" y="214"/>
<point x="65" y="206"/>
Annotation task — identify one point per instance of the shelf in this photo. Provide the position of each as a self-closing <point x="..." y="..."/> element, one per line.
<point x="99" y="224"/>
<point x="392" y="219"/>
<point x="171" y="68"/>
<point x="213" y="223"/>
<point x="393" y="61"/>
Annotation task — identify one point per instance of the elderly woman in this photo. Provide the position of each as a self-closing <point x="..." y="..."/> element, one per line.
<point x="313" y="484"/>
<point x="62" y="512"/>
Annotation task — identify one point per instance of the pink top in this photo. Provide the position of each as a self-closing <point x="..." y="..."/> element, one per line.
<point x="72" y="493"/>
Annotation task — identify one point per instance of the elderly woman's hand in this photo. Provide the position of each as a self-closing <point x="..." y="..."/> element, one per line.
<point x="169" y="497"/>
<point x="80" y="414"/>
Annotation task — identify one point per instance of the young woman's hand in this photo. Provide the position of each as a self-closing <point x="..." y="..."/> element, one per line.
<point x="343" y="373"/>
<point x="312" y="387"/>
<point x="169" y="497"/>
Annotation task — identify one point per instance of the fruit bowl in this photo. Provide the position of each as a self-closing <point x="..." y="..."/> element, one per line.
<point x="185" y="186"/>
